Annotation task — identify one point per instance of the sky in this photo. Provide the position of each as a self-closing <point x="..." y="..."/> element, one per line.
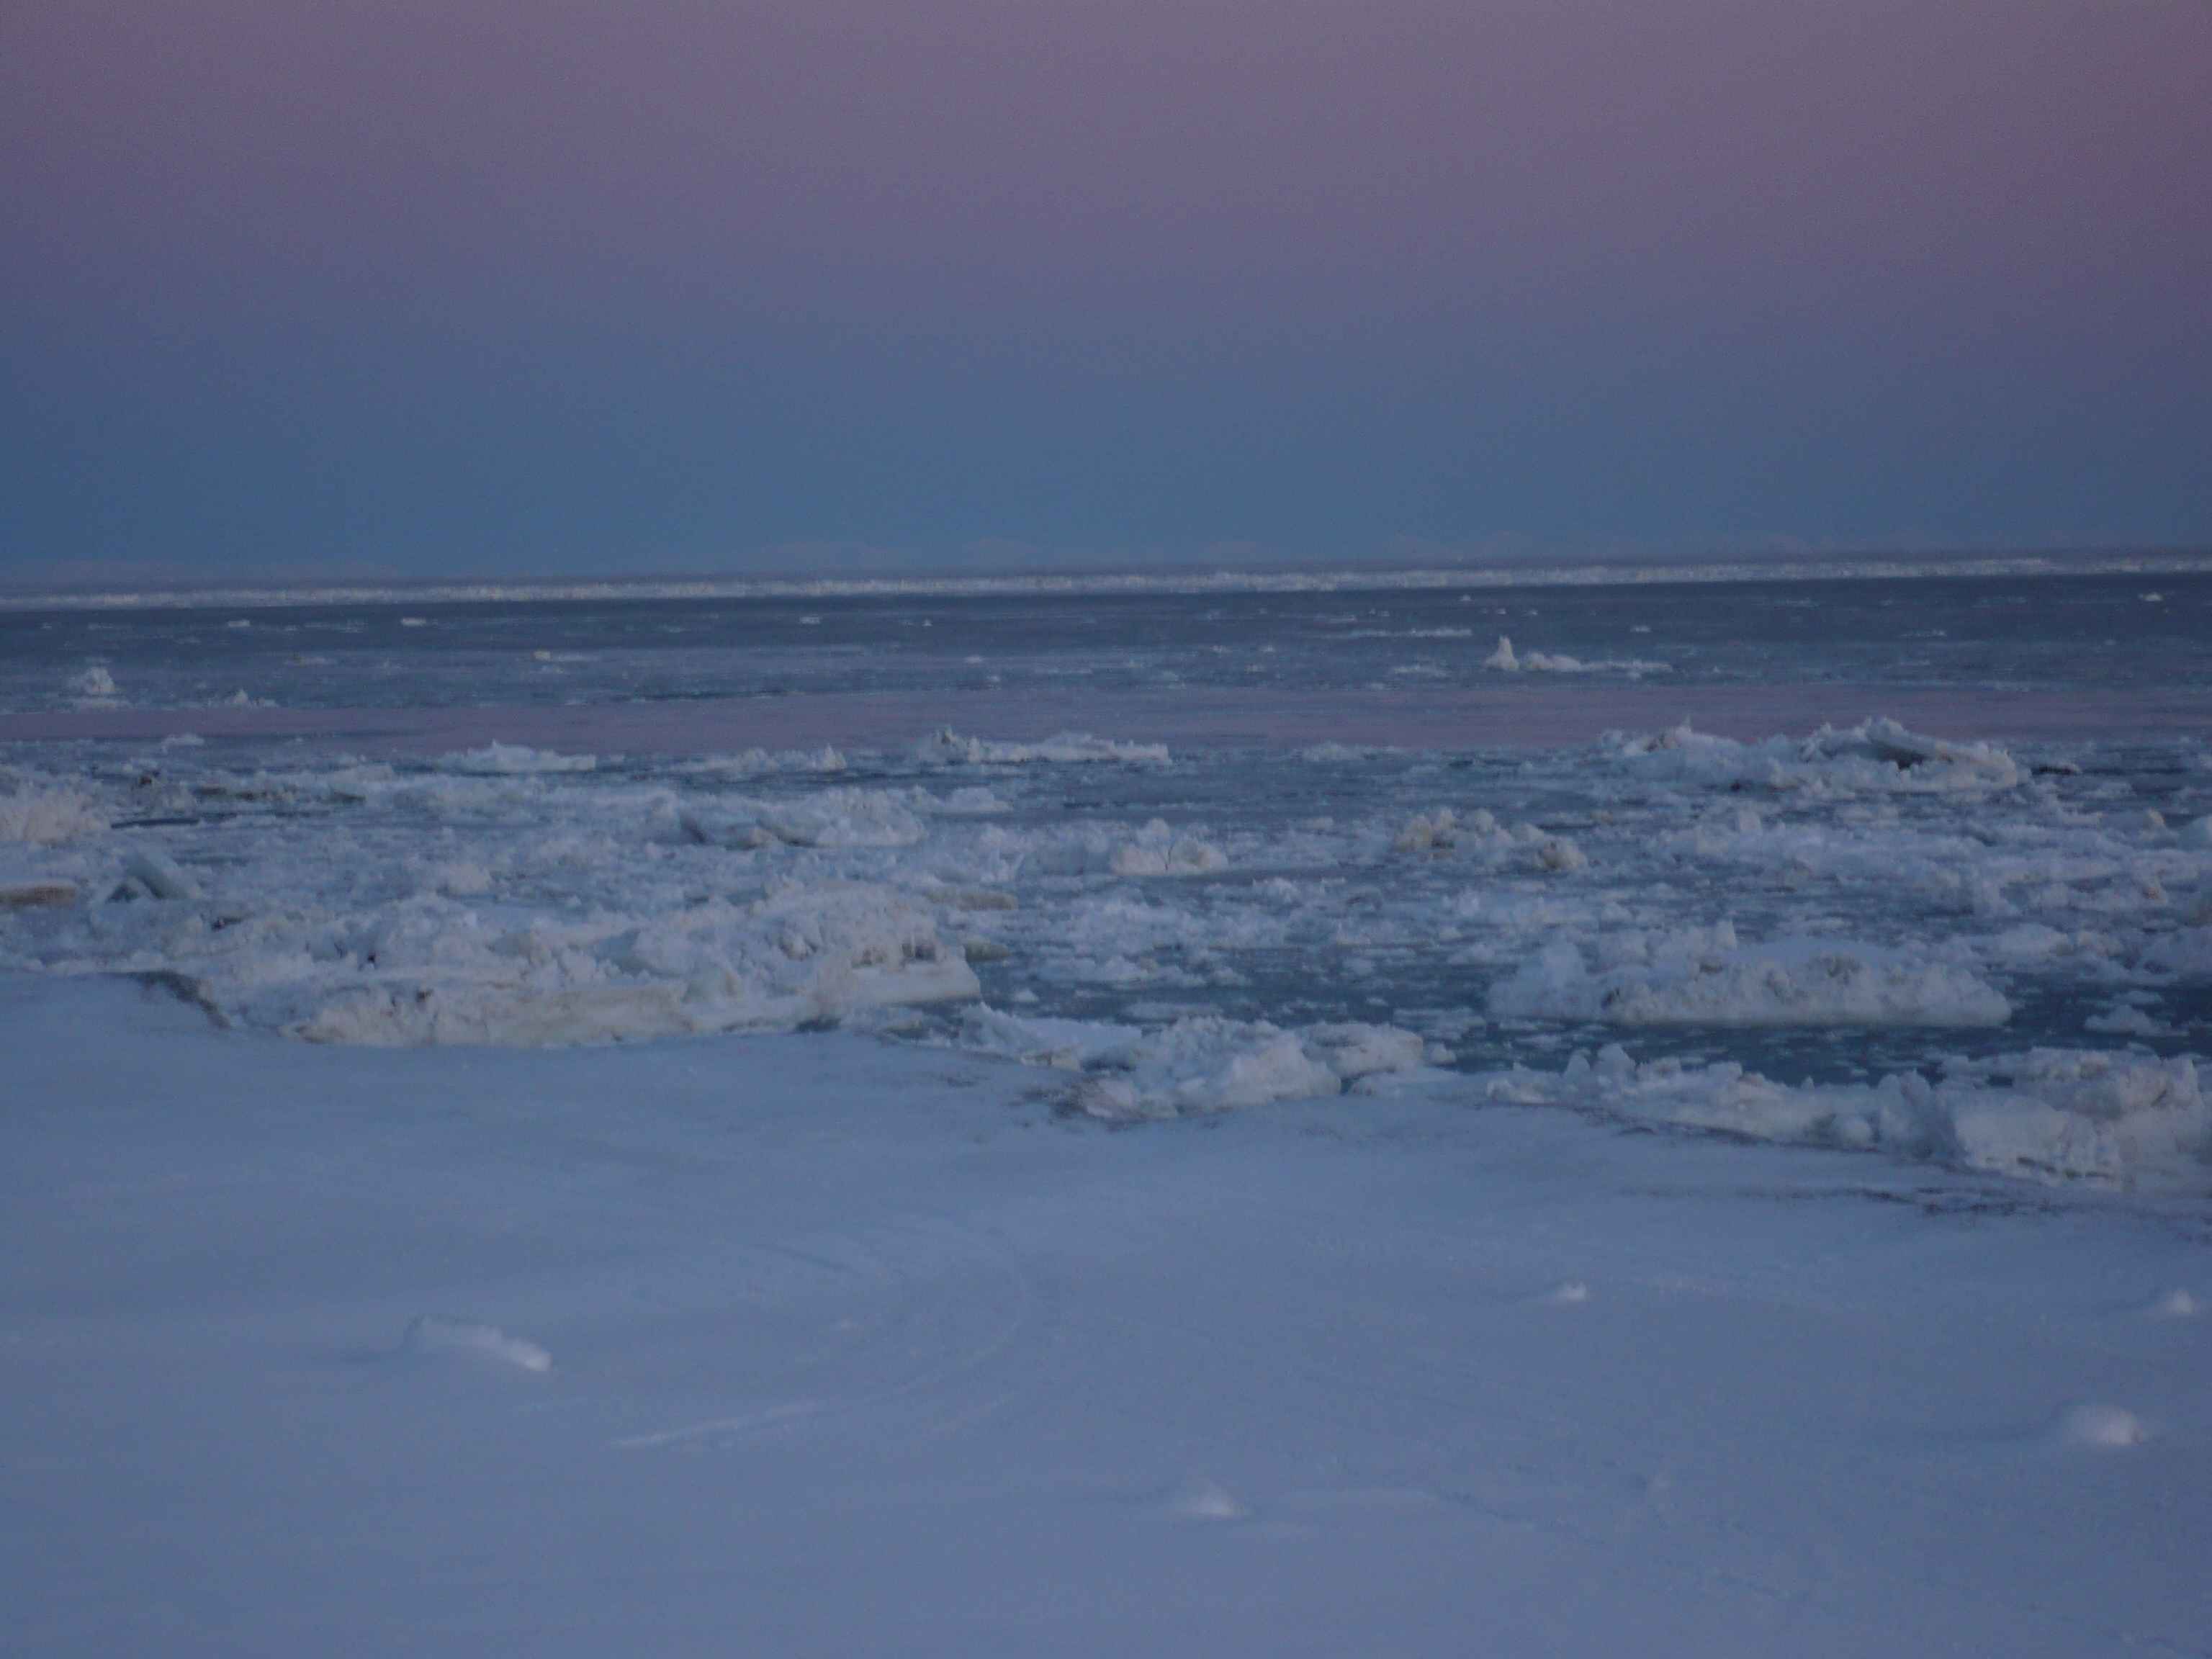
<point x="507" y="286"/>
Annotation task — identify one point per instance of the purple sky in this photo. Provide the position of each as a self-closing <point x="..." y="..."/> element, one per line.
<point x="549" y="286"/>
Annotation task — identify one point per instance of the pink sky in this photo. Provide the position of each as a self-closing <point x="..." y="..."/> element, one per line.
<point x="1525" y="192"/>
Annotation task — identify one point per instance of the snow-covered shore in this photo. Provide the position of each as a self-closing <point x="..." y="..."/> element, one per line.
<point x="819" y="1344"/>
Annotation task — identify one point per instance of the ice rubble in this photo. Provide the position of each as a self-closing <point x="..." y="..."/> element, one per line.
<point x="1443" y="829"/>
<point x="945" y="747"/>
<point x="840" y="819"/>
<point x="95" y="688"/>
<point x="757" y="763"/>
<point x="1154" y="850"/>
<point x="2112" y="1118"/>
<point x="802" y="955"/>
<point x="1876" y="756"/>
<point x="48" y="815"/>
<point x="512" y="760"/>
<point x="1703" y="976"/>
<point x="1507" y="660"/>
<point x="1201" y="1065"/>
<point x="843" y="817"/>
<point x="511" y="896"/>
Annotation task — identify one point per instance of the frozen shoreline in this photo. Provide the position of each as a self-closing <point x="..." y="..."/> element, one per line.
<point x="819" y="1344"/>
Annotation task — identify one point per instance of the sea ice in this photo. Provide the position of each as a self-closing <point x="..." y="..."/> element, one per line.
<point x="1507" y="660"/>
<point x="95" y="688"/>
<point x="2112" y="1119"/>
<point x="514" y="760"/>
<point x="1877" y="756"/>
<point x="1703" y="977"/>
<point x="843" y="817"/>
<point x="49" y="815"/>
<point x="945" y="747"/>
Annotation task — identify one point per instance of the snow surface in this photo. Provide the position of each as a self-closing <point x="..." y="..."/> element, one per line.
<point x="820" y="1344"/>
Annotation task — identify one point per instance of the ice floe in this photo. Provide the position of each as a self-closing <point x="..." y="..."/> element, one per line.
<point x="95" y="688"/>
<point x="945" y="747"/>
<point x="1703" y="976"/>
<point x="1506" y="660"/>
<point x="1196" y="1066"/>
<point x="514" y="760"/>
<point x="1877" y="756"/>
<point x="49" y="815"/>
<point x="2112" y="1118"/>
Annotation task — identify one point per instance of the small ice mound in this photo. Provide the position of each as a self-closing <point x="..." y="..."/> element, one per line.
<point x="1506" y="660"/>
<point x="457" y="879"/>
<point x="1202" y="1066"/>
<point x="843" y="818"/>
<point x="2123" y="1120"/>
<point x="2100" y="1427"/>
<point x="158" y="875"/>
<point x="802" y="955"/>
<point x="1198" y="1065"/>
<point x="2197" y="833"/>
<point x="512" y="760"/>
<point x="1342" y="754"/>
<point x="1355" y="1052"/>
<point x="428" y="1334"/>
<point x="945" y="747"/>
<point x="48" y="815"/>
<point x="2176" y="1303"/>
<point x="1429" y="832"/>
<point x="753" y="762"/>
<point x="1175" y="855"/>
<point x="2114" y="1119"/>
<point x="1701" y="976"/>
<point x="1557" y="855"/>
<point x="2125" y="1019"/>
<point x="1101" y="850"/>
<point x="1571" y="1293"/>
<point x="1199" y="1498"/>
<point x="1877" y="756"/>
<point x="970" y="801"/>
<point x="95" y="688"/>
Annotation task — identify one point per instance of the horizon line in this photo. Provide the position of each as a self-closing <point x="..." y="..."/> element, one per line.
<point x="1105" y="581"/>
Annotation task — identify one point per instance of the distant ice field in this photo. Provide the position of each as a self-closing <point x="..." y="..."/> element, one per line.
<point x="2139" y="634"/>
<point x="1918" y="867"/>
